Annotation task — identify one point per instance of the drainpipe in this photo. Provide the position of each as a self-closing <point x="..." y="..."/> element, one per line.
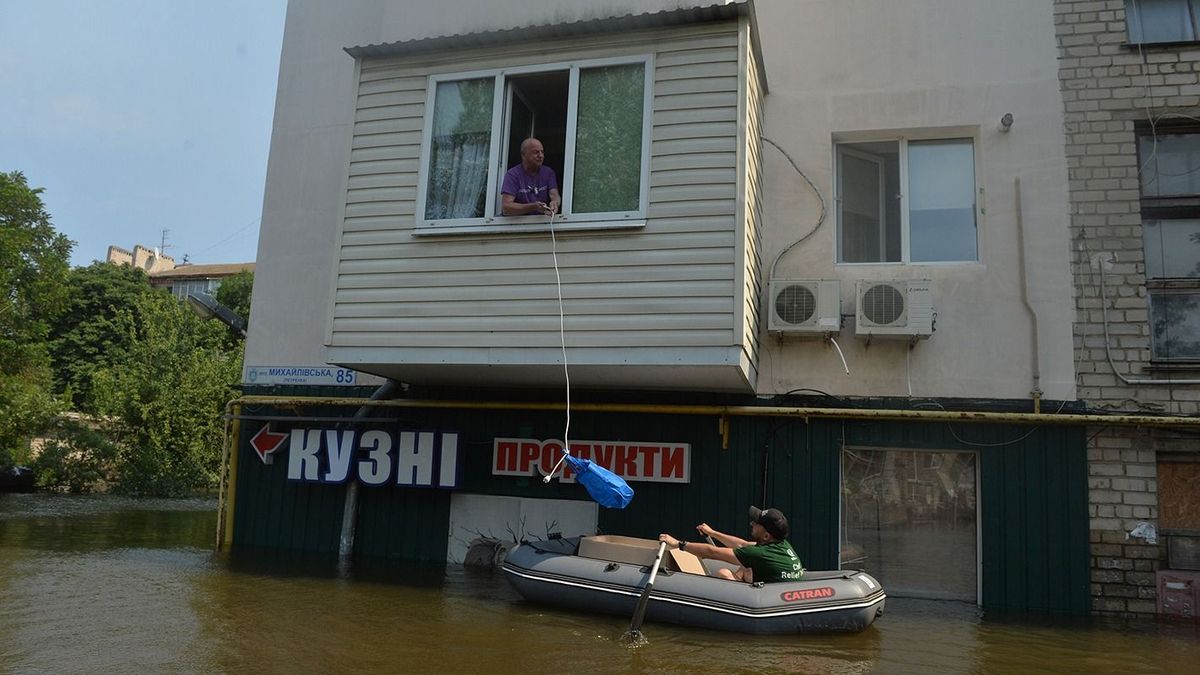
<point x="1037" y="341"/>
<point x="350" y="510"/>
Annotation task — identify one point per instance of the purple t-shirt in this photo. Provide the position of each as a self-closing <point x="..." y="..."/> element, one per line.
<point x="527" y="189"/>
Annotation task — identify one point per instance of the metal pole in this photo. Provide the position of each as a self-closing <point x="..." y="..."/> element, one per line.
<point x="350" y="509"/>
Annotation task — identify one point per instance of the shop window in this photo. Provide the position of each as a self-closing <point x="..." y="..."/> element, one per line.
<point x="1156" y="21"/>
<point x="591" y="117"/>
<point x="902" y="201"/>
<point x="1170" y="184"/>
<point x="910" y="519"/>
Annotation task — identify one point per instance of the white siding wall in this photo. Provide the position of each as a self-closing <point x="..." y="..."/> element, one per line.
<point x="752" y="258"/>
<point x="670" y="285"/>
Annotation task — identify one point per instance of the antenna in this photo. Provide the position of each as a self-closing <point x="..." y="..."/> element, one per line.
<point x="163" y="248"/>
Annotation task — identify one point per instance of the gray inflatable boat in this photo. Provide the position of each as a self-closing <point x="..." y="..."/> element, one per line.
<point x="607" y="574"/>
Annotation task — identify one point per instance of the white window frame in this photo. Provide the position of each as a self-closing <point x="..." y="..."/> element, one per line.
<point x="902" y="140"/>
<point x="494" y="222"/>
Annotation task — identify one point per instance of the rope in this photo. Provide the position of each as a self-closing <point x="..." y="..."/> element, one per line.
<point x="562" y="335"/>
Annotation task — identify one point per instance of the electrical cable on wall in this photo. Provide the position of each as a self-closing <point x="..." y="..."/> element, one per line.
<point x="816" y="191"/>
<point x="815" y="227"/>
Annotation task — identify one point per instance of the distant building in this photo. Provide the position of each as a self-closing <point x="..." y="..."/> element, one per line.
<point x="151" y="260"/>
<point x="187" y="279"/>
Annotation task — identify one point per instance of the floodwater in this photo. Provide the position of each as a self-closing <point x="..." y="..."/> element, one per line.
<point x="111" y="585"/>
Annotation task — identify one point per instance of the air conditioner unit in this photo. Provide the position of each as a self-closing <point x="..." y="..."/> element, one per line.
<point x="901" y="309"/>
<point x="811" y="308"/>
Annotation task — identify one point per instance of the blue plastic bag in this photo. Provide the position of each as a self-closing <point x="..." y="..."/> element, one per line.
<point x="607" y="488"/>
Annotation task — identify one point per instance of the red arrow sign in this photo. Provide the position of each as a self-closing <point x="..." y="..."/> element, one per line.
<point x="265" y="442"/>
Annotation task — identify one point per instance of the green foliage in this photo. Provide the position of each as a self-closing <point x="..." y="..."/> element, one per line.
<point x="90" y="334"/>
<point x="164" y="401"/>
<point x="155" y="375"/>
<point x="77" y="458"/>
<point x="26" y="409"/>
<point x="234" y="292"/>
<point x="33" y="267"/>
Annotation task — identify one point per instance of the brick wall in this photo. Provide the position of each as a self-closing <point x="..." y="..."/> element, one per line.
<point x="1108" y="87"/>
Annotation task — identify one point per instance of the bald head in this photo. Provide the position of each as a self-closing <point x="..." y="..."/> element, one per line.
<point x="532" y="154"/>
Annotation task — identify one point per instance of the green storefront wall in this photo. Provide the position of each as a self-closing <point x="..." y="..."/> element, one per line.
<point x="1033" y="490"/>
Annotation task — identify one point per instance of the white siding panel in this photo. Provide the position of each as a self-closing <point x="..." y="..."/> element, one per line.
<point x="688" y="100"/>
<point x="548" y="323"/>
<point x="398" y="208"/>
<point x="633" y="290"/>
<point x="689" y="115"/>
<point x="751" y="298"/>
<point x="669" y="285"/>
<point x="384" y="85"/>
<point x="382" y="194"/>
<point x="387" y="125"/>
<point x="410" y="97"/>
<point x="385" y="166"/>
<point x="690" y="71"/>
<point x="385" y="153"/>
<point x="645" y="274"/>
<point x="694" y="208"/>
<point x="695" y="86"/>
<point x="567" y="262"/>
<point x="391" y="112"/>
<point x="669" y="132"/>
<point x="382" y="180"/>
<point x="387" y="247"/>
<point x="691" y="146"/>
<point x="693" y="177"/>
<point x="536" y="307"/>
<point x="615" y="339"/>
<point x="386" y="140"/>
<point x="694" y="160"/>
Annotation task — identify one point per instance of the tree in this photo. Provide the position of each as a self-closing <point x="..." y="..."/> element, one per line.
<point x="163" y="400"/>
<point x="33" y="267"/>
<point x="89" y="334"/>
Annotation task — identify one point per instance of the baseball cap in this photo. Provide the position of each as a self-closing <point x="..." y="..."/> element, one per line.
<point x="772" y="520"/>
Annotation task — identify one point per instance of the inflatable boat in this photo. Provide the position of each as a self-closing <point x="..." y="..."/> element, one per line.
<point x="608" y="573"/>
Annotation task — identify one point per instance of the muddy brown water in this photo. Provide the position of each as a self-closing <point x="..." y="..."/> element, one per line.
<point x="112" y="585"/>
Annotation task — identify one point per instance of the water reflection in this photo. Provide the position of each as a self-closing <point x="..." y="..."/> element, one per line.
<point x="104" y="585"/>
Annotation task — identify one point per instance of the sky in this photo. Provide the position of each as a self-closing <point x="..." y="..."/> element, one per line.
<point x="137" y="116"/>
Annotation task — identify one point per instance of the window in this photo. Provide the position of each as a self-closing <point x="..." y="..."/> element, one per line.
<point x="1170" y="182"/>
<point x="185" y="288"/>
<point x="592" y="118"/>
<point x="906" y="201"/>
<point x="910" y="519"/>
<point x="1153" y="21"/>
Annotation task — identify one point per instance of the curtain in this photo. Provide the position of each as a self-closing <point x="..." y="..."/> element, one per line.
<point x="608" y="139"/>
<point x="462" y="137"/>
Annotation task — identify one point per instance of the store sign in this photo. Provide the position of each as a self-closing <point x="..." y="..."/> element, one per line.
<point x="633" y="461"/>
<point x="374" y="457"/>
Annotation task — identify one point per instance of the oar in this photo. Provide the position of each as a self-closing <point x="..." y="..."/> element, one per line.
<point x="635" y="627"/>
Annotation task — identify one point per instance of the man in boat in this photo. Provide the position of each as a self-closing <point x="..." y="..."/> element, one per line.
<point x="531" y="187"/>
<point x="766" y="557"/>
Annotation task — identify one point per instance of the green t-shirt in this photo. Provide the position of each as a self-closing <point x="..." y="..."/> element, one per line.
<point x="776" y="561"/>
